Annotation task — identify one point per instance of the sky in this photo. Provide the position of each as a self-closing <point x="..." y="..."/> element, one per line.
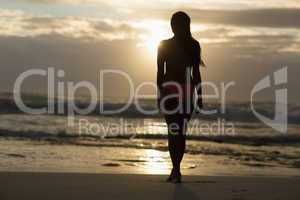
<point x="241" y="41"/>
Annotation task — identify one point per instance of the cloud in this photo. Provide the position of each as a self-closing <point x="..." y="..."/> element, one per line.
<point x="272" y="18"/>
<point x="84" y="45"/>
<point x="277" y="18"/>
<point x="82" y="59"/>
<point x="176" y="4"/>
<point x="18" y="23"/>
<point x="58" y="1"/>
<point x="248" y="13"/>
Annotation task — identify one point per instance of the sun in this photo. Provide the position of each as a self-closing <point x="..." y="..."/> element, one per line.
<point x="157" y="32"/>
<point x="152" y="44"/>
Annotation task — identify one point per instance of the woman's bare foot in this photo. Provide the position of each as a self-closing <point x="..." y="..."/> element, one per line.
<point x="176" y="177"/>
<point x="171" y="176"/>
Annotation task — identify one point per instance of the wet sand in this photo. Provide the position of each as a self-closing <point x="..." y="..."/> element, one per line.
<point x="22" y="185"/>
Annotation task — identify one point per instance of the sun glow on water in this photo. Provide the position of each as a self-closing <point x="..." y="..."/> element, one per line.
<point x="156" y="162"/>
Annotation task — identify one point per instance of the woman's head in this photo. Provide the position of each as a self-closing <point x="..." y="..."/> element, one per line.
<point x="180" y="23"/>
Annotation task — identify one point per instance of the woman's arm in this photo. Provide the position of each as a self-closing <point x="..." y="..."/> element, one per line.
<point x="197" y="76"/>
<point x="160" y="69"/>
<point x="160" y="65"/>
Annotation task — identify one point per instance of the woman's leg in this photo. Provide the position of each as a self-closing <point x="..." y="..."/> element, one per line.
<point x="181" y="140"/>
<point x="172" y="140"/>
<point x="176" y="140"/>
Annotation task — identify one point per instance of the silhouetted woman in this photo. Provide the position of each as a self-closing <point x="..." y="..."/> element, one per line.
<point x="178" y="76"/>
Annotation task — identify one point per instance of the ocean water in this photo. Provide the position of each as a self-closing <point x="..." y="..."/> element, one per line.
<point x="236" y="139"/>
<point x="238" y="121"/>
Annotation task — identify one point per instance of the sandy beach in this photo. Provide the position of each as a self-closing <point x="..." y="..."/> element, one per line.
<point x="43" y="170"/>
<point x="107" y="186"/>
